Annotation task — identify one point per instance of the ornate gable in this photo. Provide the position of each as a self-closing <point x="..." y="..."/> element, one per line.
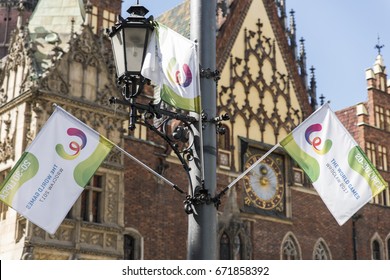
<point x="260" y="86"/>
<point x="83" y="72"/>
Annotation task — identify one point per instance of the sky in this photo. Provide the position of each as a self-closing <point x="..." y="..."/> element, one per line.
<point x="340" y="38"/>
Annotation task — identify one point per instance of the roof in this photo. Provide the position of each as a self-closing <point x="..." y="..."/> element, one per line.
<point x="230" y="16"/>
<point x="55" y="16"/>
<point x="52" y="25"/>
<point x="178" y="18"/>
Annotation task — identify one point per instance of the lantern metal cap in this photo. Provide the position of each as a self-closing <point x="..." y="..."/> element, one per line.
<point x="138" y="10"/>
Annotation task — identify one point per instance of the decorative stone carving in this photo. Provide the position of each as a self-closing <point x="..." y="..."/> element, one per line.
<point x="268" y="88"/>
<point x="111" y="241"/>
<point x="3" y="96"/>
<point x="114" y="157"/>
<point x="7" y="150"/>
<point x="85" y="49"/>
<point x="55" y="83"/>
<point x="111" y="214"/>
<point x="91" y="238"/>
<point x="15" y="56"/>
<point x="103" y="96"/>
<point x="50" y="256"/>
<point x="63" y="234"/>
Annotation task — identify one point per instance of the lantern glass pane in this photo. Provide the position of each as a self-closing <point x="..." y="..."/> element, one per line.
<point x="135" y="47"/>
<point x="119" y="54"/>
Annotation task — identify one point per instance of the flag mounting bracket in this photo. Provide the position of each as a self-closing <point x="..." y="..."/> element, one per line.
<point x="201" y="196"/>
<point x="217" y="121"/>
<point x="208" y="74"/>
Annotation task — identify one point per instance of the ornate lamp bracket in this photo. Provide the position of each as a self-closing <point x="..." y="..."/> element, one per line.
<point x="208" y="74"/>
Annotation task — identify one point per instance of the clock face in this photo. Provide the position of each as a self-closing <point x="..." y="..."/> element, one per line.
<point x="264" y="183"/>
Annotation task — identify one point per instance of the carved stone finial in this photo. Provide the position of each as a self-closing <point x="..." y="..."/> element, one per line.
<point x="313" y="87"/>
<point x="302" y="51"/>
<point x="292" y="21"/>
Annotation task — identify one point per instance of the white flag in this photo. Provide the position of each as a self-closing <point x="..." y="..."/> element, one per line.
<point x="341" y="173"/>
<point x="54" y="169"/>
<point x="172" y="64"/>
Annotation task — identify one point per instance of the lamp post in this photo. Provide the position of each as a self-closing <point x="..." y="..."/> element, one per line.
<point x="202" y="228"/>
<point x="130" y="38"/>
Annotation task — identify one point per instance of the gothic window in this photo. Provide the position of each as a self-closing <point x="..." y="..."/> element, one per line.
<point x="224" y="247"/>
<point x="290" y="249"/>
<point x="132" y="245"/>
<point x="378" y="156"/>
<point x="91" y="200"/>
<point x="224" y="153"/>
<point x="237" y="249"/>
<point x="370" y="151"/>
<point x="321" y="251"/>
<point x="382" y="158"/>
<point x="224" y="139"/>
<point x="388" y="248"/>
<point x="128" y="247"/>
<point x="233" y="242"/>
<point x="382" y="198"/>
<point x="379" y="117"/>
<point x="386" y="197"/>
<point x="387" y="120"/>
<point x="376" y="250"/>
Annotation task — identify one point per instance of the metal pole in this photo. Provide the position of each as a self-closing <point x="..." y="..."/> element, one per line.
<point x="202" y="225"/>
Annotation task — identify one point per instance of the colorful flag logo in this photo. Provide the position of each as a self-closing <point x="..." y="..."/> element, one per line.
<point x="172" y="64"/>
<point x="53" y="171"/>
<point x="341" y="173"/>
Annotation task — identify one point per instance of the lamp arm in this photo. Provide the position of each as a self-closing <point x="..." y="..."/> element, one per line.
<point x="175" y="149"/>
<point x="153" y="111"/>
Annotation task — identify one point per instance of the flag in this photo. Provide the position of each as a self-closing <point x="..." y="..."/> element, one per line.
<point x="53" y="171"/>
<point x="341" y="173"/>
<point x="171" y="62"/>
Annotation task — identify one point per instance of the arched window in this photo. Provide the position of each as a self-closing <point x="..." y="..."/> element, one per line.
<point x="388" y="248"/>
<point x="237" y="249"/>
<point x="132" y="245"/>
<point x="290" y="249"/>
<point x="224" y="247"/>
<point x="224" y="148"/>
<point x="321" y="251"/>
<point x="376" y="250"/>
<point x="128" y="247"/>
<point x="224" y="139"/>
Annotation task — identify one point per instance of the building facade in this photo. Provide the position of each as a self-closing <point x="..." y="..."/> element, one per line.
<point x="266" y="90"/>
<point x="57" y="58"/>
<point x="10" y="12"/>
<point x="126" y="212"/>
<point x="369" y="123"/>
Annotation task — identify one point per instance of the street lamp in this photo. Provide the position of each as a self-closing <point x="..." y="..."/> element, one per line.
<point x="130" y="38"/>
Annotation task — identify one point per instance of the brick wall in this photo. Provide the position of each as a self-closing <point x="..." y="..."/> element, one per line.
<point x="155" y="209"/>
